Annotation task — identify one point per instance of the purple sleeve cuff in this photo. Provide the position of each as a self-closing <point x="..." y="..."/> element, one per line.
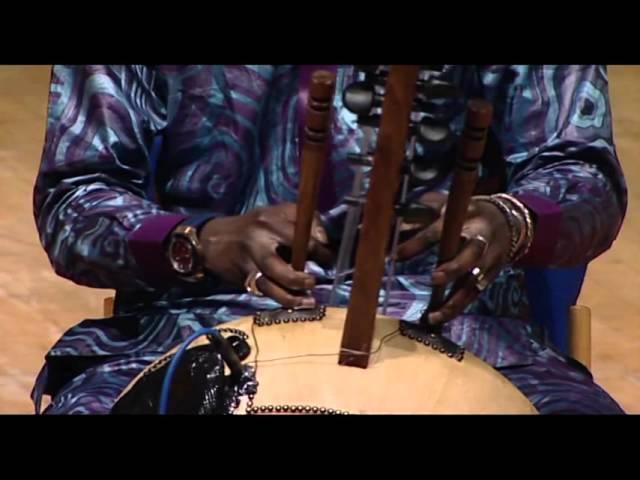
<point x="548" y="220"/>
<point x="148" y="249"/>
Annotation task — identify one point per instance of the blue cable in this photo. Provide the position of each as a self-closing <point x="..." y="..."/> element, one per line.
<point x="166" y="385"/>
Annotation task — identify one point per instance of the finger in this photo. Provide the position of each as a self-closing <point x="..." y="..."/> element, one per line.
<point x="420" y="242"/>
<point x="469" y="257"/>
<point x="322" y="255"/>
<point x="463" y="294"/>
<point x="466" y="290"/>
<point x="280" y="272"/>
<point x="288" y="300"/>
<point x="434" y="199"/>
<point x="318" y="233"/>
<point x="407" y="234"/>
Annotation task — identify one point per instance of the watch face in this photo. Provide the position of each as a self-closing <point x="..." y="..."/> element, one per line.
<point x="182" y="255"/>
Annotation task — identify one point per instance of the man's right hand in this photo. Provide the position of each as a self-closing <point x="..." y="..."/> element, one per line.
<point x="240" y="246"/>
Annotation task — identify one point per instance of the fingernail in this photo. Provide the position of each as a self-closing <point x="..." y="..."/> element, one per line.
<point x="435" y="318"/>
<point x="307" y="302"/>
<point x="309" y="283"/>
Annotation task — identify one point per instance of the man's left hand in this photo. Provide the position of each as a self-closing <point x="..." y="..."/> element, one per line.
<point x="484" y="253"/>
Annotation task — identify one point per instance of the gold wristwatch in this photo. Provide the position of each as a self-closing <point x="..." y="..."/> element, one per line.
<point x="185" y="251"/>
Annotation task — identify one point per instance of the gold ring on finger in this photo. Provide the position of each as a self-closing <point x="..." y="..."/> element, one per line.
<point x="251" y="285"/>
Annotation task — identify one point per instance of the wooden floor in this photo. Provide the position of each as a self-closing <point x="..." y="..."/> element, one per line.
<point x="36" y="306"/>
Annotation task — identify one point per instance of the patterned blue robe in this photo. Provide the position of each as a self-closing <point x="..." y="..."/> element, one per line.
<point x="230" y="144"/>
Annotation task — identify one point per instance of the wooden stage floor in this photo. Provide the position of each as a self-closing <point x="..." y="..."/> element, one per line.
<point x="37" y="306"/>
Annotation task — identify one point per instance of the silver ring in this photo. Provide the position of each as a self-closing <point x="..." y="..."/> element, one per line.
<point x="481" y="282"/>
<point x="251" y="286"/>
